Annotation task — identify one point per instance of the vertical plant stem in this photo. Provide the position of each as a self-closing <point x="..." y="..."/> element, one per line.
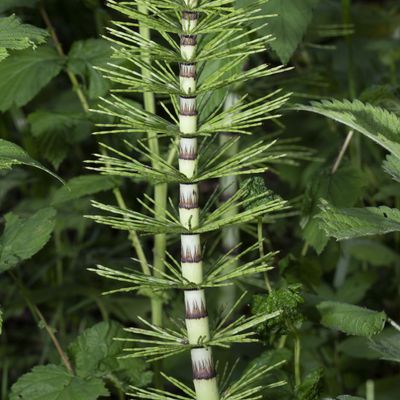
<point x="85" y="106"/>
<point x="196" y="316"/>
<point x="160" y="190"/>
<point x="229" y="186"/>
<point x="260" y="238"/>
<point x="36" y="313"/>
<point x="297" y="353"/>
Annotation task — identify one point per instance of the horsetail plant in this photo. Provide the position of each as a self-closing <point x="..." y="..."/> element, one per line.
<point x="209" y="31"/>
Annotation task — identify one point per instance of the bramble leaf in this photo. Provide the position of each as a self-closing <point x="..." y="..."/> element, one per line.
<point x="83" y="57"/>
<point x="24" y="237"/>
<point x="52" y="382"/>
<point x="24" y="74"/>
<point x="15" y="35"/>
<point x="290" y="24"/>
<point x="11" y="154"/>
<point x="351" y="319"/>
<point x="96" y="353"/>
<point x="82" y="186"/>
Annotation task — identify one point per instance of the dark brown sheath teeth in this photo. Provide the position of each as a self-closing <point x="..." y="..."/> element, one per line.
<point x="188" y="40"/>
<point x="190" y="15"/>
<point x="189" y="202"/>
<point x="190" y="257"/>
<point x="194" y="311"/>
<point x="203" y="370"/>
<point x="187" y="153"/>
<point x="187" y="108"/>
<point x="187" y="70"/>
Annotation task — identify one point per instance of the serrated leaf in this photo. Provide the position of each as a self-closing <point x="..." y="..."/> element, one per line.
<point x="52" y="382"/>
<point x="96" y="353"/>
<point x="57" y="131"/>
<point x="15" y="35"/>
<point x="311" y="386"/>
<point x="388" y="347"/>
<point x="81" y="186"/>
<point x="24" y="237"/>
<point x="392" y="166"/>
<point x="11" y="154"/>
<point x="24" y="74"/>
<point x="378" y="124"/>
<point x="351" y="319"/>
<point x="290" y="24"/>
<point x="84" y="56"/>
<point x="349" y="223"/>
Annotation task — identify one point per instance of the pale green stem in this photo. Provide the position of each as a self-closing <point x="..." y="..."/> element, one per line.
<point x="196" y="315"/>
<point x="160" y="190"/>
<point x="297" y="352"/>
<point x="85" y="106"/>
<point x="260" y="236"/>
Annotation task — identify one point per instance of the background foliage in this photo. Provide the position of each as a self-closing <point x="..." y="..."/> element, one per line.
<point x="339" y="299"/>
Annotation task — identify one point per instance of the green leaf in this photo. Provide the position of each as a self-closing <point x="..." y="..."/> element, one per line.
<point x="372" y="252"/>
<point x="7" y="4"/>
<point x="24" y="74"/>
<point x="24" y="237"/>
<point x="96" y="353"/>
<point x="11" y="154"/>
<point x="52" y="382"/>
<point x="349" y="223"/>
<point x="84" y="56"/>
<point x="351" y="319"/>
<point x="81" y="186"/>
<point x="310" y="388"/>
<point x="392" y="166"/>
<point x="17" y="36"/>
<point x="287" y="300"/>
<point x="290" y="24"/>
<point x="57" y="131"/>
<point x="388" y="347"/>
<point x="381" y="126"/>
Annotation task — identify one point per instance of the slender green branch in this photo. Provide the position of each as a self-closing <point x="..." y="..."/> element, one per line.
<point x="297" y="353"/>
<point x="85" y="106"/>
<point x="260" y="236"/>
<point x="36" y="313"/>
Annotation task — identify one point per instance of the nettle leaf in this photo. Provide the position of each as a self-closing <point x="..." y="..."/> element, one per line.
<point x="52" y="382"/>
<point x="83" y="57"/>
<point x="388" y="347"/>
<point x="380" y="125"/>
<point x="392" y="166"/>
<point x="81" y="186"/>
<point x="349" y="223"/>
<point x="310" y="388"/>
<point x="287" y="301"/>
<point x="57" y="131"/>
<point x="96" y="353"/>
<point x="24" y="237"/>
<point x="24" y="74"/>
<point x="11" y="154"/>
<point x="290" y="24"/>
<point x="351" y="319"/>
<point x="15" y="35"/>
<point x="342" y="189"/>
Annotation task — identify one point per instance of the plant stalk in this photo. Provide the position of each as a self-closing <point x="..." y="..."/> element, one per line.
<point x="196" y="315"/>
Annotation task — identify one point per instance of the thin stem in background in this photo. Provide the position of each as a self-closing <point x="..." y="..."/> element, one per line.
<point x="36" y="313"/>
<point x="160" y="190"/>
<point x="85" y="106"/>
<point x="260" y="237"/>
<point x="297" y="353"/>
